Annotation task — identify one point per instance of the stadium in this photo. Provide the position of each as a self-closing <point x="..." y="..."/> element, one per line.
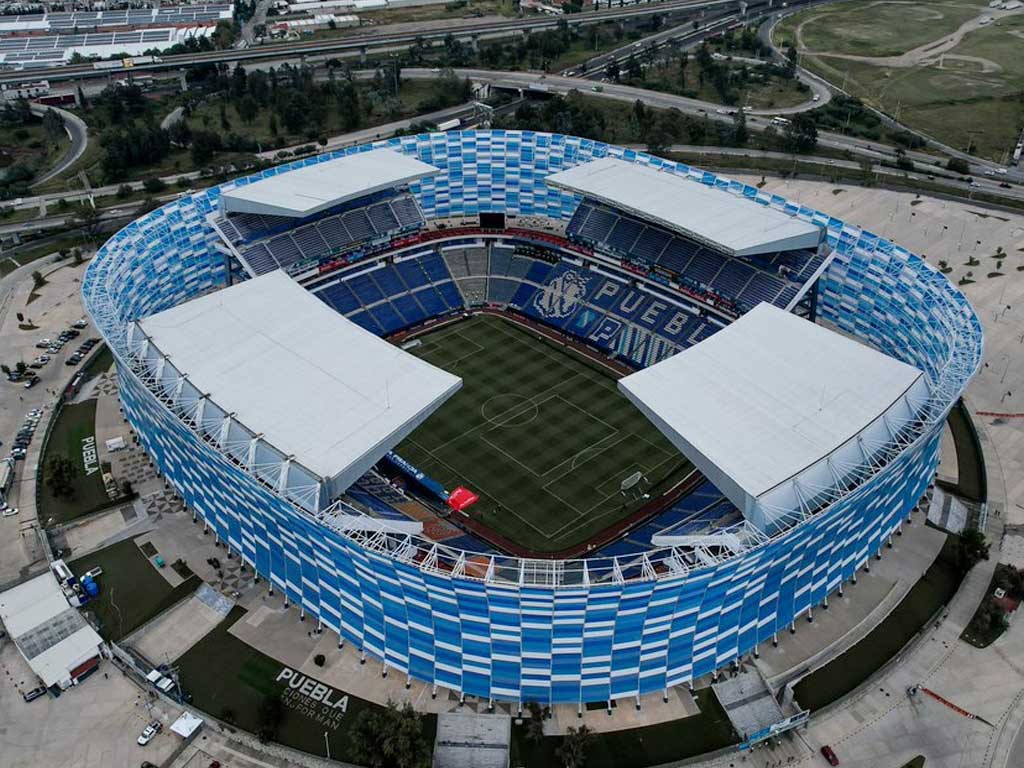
<point x="531" y="417"/>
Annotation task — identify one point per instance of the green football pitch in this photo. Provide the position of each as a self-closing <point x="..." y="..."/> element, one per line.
<point x="540" y="432"/>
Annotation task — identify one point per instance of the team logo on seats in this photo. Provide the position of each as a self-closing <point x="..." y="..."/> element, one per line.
<point x="561" y="296"/>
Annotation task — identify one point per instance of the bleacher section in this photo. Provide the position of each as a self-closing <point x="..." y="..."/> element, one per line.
<point x="266" y="243"/>
<point x="702" y="511"/>
<point x="742" y="282"/>
<point x="607" y="311"/>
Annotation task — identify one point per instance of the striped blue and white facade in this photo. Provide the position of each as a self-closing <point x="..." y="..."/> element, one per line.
<point x="548" y="631"/>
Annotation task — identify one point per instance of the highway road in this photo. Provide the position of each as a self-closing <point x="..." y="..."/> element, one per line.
<point x="368" y="38"/>
<point x="756" y="119"/>
<point x="78" y="134"/>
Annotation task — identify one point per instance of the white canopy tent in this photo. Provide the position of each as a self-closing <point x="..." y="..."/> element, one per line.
<point x="723" y="220"/>
<point x="319" y="186"/>
<point x="306" y="398"/>
<point x="774" y="408"/>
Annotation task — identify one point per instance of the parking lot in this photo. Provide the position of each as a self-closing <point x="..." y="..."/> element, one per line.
<point x="27" y="316"/>
<point x="92" y="725"/>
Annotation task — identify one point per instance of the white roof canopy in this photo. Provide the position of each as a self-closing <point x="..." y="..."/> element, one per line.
<point x="50" y="634"/>
<point x="765" y="401"/>
<point x="271" y="357"/>
<point x="319" y="186"/>
<point x="721" y="219"/>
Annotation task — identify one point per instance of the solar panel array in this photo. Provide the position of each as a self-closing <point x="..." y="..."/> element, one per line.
<point x="52" y="49"/>
<point x="132" y="17"/>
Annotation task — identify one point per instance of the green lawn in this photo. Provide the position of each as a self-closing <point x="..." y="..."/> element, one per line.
<point x="637" y="747"/>
<point x="75" y="426"/>
<point x="540" y="433"/>
<point x="970" y="96"/>
<point x="131" y="590"/>
<point x="840" y="676"/>
<point x="871" y="28"/>
<point x="229" y="679"/>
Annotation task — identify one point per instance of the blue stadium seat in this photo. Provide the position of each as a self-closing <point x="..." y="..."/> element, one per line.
<point x="409" y="308"/>
<point x="732" y="278"/>
<point x="340" y="297"/>
<point x="412" y="274"/>
<point x="365" y="320"/>
<point x="333" y="231"/>
<point x="650" y="244"/>
<point x="365" y="289"/>
<point x="624" y="234"/>
<point x="704" y="266"/>
<point x="677" y="254"/>
<point x="382" y="218"/>
<point x="431" y="301"/>
<point x="501" y="290"/>
<point x="598" y="224"/>
<point x="500" y="259"/>
<point x="388" y="281"/>
<point x="450" y="294"/>
<point x="358" y="225"/>
<point x="539" y="272"/>
<point x="435" y="268"/>
<point x="387" y="317"/>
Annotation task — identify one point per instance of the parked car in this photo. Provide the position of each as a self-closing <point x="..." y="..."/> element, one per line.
<point x="829" y="755"/>
<point x="31" y="382"/>
<point x="92" y="573"/>
<point x="43" y="343"/>
<point x="8" y="511"/>
<point x="149" y="733"/>
<point x="80" y="323"/>
<point x="18" y="454"/>
<point x="34" y="694"/>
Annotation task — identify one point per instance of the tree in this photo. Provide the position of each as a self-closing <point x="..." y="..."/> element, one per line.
<point x="53" y="125"/>
<point x="153" y="185"/>
<point x="958" y="165"/>
<point x="971" y="549"/>
<point x="38" y="281"/>
<point x="89" y="220"/>
<point x="319" y="659"/>
<point x="740" y="134"/>
<point x="573" y="749"/>
<point x="247" y="108"/>
<point x="612" y="71"/>
<point x="535" y="725"/>
<point x="801" y="134"/>
<point x="60" y="471"/>
<point x="389" y="738"/>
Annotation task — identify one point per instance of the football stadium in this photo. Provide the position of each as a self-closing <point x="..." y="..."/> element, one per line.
<point x="530" y="417"/>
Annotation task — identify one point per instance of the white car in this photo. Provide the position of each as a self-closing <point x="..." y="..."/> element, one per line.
<point x="149" y="733"/>
<point x="7" y="511"/>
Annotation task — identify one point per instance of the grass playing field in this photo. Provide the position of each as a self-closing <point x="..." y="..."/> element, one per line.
<point x="540" y="432"/>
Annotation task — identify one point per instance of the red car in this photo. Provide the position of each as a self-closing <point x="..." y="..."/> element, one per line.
<point x="829" y="755"/>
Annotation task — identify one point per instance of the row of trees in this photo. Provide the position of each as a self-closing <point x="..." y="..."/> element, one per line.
<point x="28" y="150"/>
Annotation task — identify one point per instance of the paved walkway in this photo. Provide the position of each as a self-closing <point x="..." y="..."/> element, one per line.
<point x="879" y="726"/>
